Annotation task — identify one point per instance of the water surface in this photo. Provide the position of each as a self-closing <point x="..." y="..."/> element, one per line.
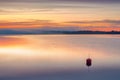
<point x="59" y="57"/>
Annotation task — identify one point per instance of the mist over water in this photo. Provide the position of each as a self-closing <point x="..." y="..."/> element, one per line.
<point x="59" y="57"/>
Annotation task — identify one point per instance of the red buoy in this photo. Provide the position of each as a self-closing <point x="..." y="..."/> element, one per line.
<point x="88" y="62"/>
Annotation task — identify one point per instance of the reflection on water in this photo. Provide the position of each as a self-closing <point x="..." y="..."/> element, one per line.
<point x="59" y="57"/>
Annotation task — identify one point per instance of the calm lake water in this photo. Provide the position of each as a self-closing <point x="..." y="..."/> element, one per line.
<point x="59" y="57"/>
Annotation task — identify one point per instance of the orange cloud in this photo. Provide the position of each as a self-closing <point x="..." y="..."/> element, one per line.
<point x="103" y="25"/>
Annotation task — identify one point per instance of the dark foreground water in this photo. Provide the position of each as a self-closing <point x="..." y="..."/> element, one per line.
<point x="59" y="57"/>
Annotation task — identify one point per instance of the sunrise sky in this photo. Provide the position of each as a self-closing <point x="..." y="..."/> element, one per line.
<point x="102" y="15"/>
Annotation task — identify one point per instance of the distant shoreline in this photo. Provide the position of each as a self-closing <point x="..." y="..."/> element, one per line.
<point x="19" y="32"/>
<point x="56" y="34"/>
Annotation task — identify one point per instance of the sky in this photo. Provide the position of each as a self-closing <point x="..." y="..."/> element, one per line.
<point x="96" y="15"/>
